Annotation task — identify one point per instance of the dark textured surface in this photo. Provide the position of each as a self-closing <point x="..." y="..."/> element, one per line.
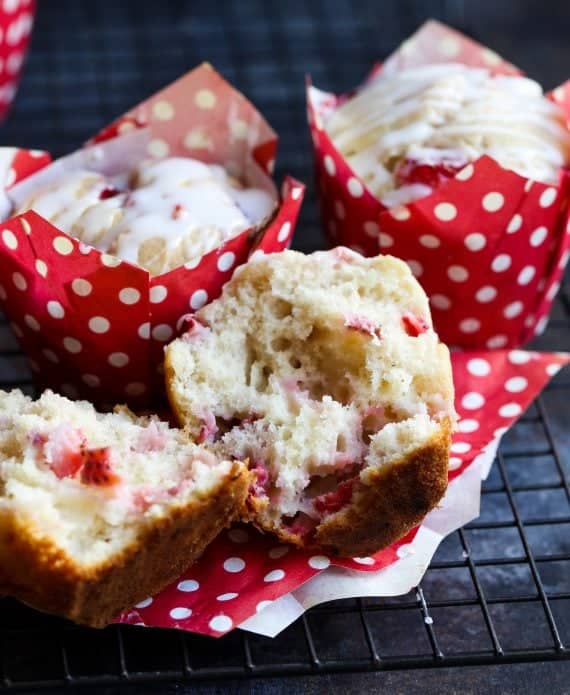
<point x="497" y="592"/>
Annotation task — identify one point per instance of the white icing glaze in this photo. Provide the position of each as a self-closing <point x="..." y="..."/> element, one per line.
<point x="448" y="112"/>
<point x="163" y="214"/>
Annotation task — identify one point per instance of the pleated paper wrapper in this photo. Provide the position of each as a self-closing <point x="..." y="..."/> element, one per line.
<point x="488" y="246"/>
<point x="91" y="325"/>
<point x="16" y="22"/>
<point x="249" y="580"/>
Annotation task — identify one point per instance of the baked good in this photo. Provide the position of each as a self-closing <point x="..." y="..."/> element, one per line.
<point x="99" y="511"/>
<point x="407" y="131"/>
<point x="325" y="372"/>
<point x="161" y="215"/>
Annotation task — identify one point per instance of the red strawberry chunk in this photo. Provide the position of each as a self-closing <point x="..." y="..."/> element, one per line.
<point x="414" y="325"/>
<point x="251" y="418"/>
<point x="63" y="450"/>
<point x="331" y="502"/>
<point x="192" y="327"/>
<point x="259" y="487"/>
<point x="178" y="211"/>
<point x="301" y="525"/>
<point x="108" y="192"/>
<point x="208" y="428"/>
<point x="151" y="438"/>
<point x="97" y="469"/>
<point x="362" y="324"/>
<point x="433" y="175"/>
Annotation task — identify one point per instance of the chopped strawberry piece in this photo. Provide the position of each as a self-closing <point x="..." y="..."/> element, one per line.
<point x="37" y="438"/>
<point x="178" y="211"/>
<point x="152" y="438"/>
<point x="414" y="325"/>
<point x="301" y="525"/>
<point x="331" y="502"/>
<point x="97" y="468"/>
<point x="342" y="253"/>
<point x="63" y="450"/>
<point x="252" y="417"/>
<point x="433" y="175"/>
<point x="108" y="192"/>
<point x="193" y="327"/>
<point x="259" y="488"/>
<point x="363" y="324"/>
<point x="208" y="428"/>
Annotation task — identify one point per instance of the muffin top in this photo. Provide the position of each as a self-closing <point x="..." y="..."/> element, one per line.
<point x="406" y="132"/>
<point x="160" y="215"/>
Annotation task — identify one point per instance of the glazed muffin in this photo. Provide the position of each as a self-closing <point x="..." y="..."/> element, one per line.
<point x="407" y="131"/>
<point x="160" y="215"/>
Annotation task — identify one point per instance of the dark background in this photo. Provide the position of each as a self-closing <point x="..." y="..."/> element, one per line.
<point x="497" y="592"/>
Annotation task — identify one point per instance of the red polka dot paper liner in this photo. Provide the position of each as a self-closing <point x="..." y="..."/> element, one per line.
<point x="488" y="246"/>
<point x="94" y="326"/>
<point x="245" y="573"/>
<point x="16" y="22"/>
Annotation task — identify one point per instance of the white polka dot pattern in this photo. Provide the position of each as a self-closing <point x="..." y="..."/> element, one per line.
<point x="371" y="229"/>
<point x="41" y="268"/>
<point x="188" y="585"/>
<point x="440" y="301"/>
<point x="429" y="241"/>
<point x="493" y="201"/>
<point x="198" y="299"/>
<point x="475" y="241"/>
<point x="501" y="263"/>
<point x="180" y="613"/>
<point x="221" y="623"/>
<point x="400" y="213"/>
<point x="445" y="212"/>
<point x="355" y="188"/>
<point x="457" y="273"/>
<point x="226" y="261"/>
<point x="118" y="359"/>
<point x="234" y="564"/>
<point x="538" y="236"/>
<point x="55" y="309"/>
<point x="32" y="323"/>
<point x="20" y="282"/>
<point x="278" y="551"/>
<point x="72" y="345"/>
<point x="9" y="239"/>
<point x="99" y="324"/>
<point x="63" y="245"/>
<point x="81" y="287"/>
<point x="478" y="367"/>
<point x="129" y="295"/>
<point x="319" y="562"/>
<point x="486" y="294"/>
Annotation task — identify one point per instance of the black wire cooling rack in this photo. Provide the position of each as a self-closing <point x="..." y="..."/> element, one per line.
<point x="497" y="591"/>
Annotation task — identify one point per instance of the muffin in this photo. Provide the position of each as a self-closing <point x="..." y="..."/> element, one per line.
<point x="325" y="373"/>
<point x="405" y="133"/>
<point x="97" y="512"/>
<point x="160" y="215"/>
<point x="450" y="159"/>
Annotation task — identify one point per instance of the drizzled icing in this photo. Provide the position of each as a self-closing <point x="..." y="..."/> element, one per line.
<point x="445" y="113"/>
<point x="160" y="215"/>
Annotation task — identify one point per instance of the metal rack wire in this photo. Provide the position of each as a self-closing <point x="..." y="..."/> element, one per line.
<point x="497" y="591"/>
